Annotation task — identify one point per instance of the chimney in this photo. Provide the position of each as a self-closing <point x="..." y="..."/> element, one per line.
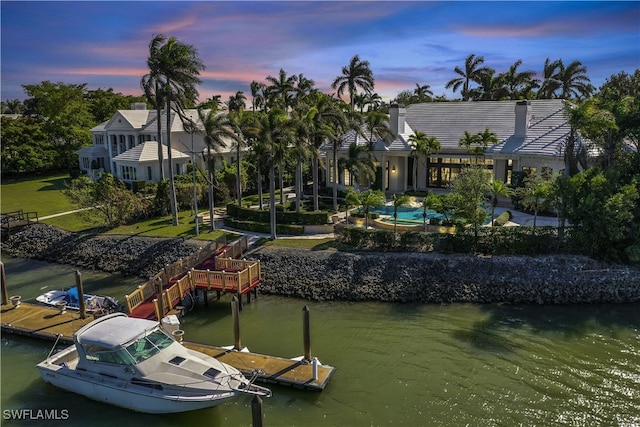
<point x="397" y="115"/>
<point x="138" y="106"/>
<point x="523" y="114"/>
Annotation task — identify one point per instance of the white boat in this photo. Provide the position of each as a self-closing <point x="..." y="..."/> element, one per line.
<point x="135" y="364"/>
<point x="92" y="303"/>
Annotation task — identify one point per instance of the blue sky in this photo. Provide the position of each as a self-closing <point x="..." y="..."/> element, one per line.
<point x="105" y="44"/>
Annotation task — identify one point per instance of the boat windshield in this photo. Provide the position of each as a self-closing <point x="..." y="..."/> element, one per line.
<point x="145" y="347"/>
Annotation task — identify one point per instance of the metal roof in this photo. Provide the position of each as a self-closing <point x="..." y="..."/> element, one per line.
<point x="148" y="152"/>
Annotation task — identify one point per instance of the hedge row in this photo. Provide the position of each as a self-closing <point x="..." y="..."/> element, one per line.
<point x="302" y="218"/>
<point x="490" y="240"/>
<point x="261" y="227"/>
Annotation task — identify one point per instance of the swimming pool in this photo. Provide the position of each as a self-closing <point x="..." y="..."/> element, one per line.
<point x="406" y="213"/>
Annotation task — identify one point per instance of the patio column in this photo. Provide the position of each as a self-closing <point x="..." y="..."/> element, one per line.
<point x="405" y="174"/>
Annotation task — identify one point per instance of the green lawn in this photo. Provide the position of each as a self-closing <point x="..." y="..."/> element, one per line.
<point x="161" y="227"/>
<point x="41" y="195"/>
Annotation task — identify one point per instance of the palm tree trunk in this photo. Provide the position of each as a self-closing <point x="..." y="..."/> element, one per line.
<point x="272" y="201"/>
<point x="172" y="183"/>
<point x="335" y="178"/>
<point x="260" y="189"/>
<point x="238" y="179"/>
<point x="281" y="182"/>
<point x="159" y="125"/>
<point x="314" y="165"/>
<point x="212" y="224"/>
<point x="298" y="184"/>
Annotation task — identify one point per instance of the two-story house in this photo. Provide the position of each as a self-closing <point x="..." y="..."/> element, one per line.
<point x="126" y="145"/>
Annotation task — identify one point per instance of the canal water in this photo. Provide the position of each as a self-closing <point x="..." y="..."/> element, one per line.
<point x="397" y="364"/>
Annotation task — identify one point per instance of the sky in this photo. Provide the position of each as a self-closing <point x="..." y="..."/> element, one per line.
<point x="105" y="44"/>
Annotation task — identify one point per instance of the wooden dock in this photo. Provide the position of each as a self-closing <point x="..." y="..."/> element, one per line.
<point x="270" y="369"/>
<point x="38" y="321"/>
<point x="43" y="322"/>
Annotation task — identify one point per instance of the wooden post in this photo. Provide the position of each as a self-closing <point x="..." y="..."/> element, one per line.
<point x="3" y="284"/>
<point x="256" y="411"/>
<point x="306" y="333"/>
<point x="160" y="300"/>
<point x="83" y="309"/>
<point x="236" y="323"/>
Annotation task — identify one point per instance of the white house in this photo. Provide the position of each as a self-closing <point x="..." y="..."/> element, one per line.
<point x="126" y="145"/>
<point x="531" y="137"/>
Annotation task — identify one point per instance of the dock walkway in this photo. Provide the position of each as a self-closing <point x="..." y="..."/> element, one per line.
<point x="213" y="268"/>
<point x="38" y="321"/>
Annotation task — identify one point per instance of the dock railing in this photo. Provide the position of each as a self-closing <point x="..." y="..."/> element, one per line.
<point x="236" y="280"/>
<point x="9" y="220"/>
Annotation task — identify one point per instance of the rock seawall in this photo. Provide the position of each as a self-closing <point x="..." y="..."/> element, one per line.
<point x="359" y="276"/>
<point x="444" y="278"/>
<point x="128" y="256"/>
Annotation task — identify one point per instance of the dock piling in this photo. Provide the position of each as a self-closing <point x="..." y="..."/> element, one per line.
<point x="236" y="323"/>
<point x="83" y="308"/>
<point x="256" y="411"/>
<point x="306" y="333"/>
<point x="3" y="284"/>
<point x="158" y="284"/>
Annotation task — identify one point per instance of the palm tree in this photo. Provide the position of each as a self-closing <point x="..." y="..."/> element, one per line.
<point x="485" y="139"/>
<point x="424" y="93"/>
<point x="281" y="89"/>
<point x="574" y="81"/>
<point x="355" y="75"/>
<point x="217" y="130"/>
<point x="422" y="145"/>
<point x="550" y="79"/>
<point x="301" y="124"/>
<point x="238" y="123"/>
<point x="151" y="83"/>
<point x="430" y="201"/>
<point x="174" y="70"/>
<point x="350" y="199"/>
<point x="369" y="199"/>
<point x="376" y="125"/>
<point x="328" y="118"/>
<point x="398" y="202"/>
<point x="358" y="165"/>
<point x="471" y="73"/>
<point x="489" y="87"/>
<point x="272" y="131"/>
<point x="518" y="84"/>
<point x="534" y="193"/>
<point x="237" y="101"/>
<point x="257" y="95"/>
<point x="468" y="141"/>
<point x="498" y="189"/>
<point x="303" y="87"/>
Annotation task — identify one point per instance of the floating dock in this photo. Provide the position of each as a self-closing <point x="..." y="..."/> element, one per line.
<point x="38" y="321"/>
<point x="270" y="369"/>
<point x="43" y="322"/>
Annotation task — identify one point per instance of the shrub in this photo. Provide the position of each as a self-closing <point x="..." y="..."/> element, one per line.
<point x="502" y="219"/>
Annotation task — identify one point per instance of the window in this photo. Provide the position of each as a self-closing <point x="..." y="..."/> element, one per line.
<point x="128" y="172"/>
<point x="100" y="354"/>
<point x="132" y="141"/>
<point x="149" y="174"/>
<point x="99" y="140"/>
<point x="148" y="346"/>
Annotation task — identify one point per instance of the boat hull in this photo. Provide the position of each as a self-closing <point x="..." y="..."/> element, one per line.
<point x="121" y="393"/>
